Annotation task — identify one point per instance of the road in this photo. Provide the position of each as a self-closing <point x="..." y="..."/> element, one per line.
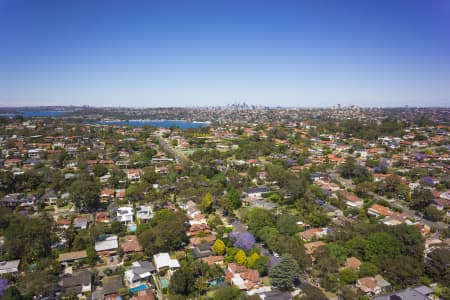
<point x="180" y="158"/>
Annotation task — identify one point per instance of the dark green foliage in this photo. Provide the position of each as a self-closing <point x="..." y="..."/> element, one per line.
<point x="182" y="282"/>
<point x="312" y="293"/>
<point x="350" y="169"/>
<point x="12" y="293"/>
<point x="228" y="293"/>
<point x="283" y="274"/>
<point x="438" y="265"/>
<point x="368" y="269"/>
<point x="432" y="213"/>
<point x="381" y="246"/>
<point x="348" y="276"/>
<point x="287" y="224"/>
<point x="293" y="246"/>
<point x="234" y="198"/>
<point x="85" y="193"/>
<point x="167" y="233"/>
<point x="258" y="218"/>
<point x="421" y="198"/>
<point x="29" y="238"/>
<point x="261" y="265"/>
<point x="403" y="271"/>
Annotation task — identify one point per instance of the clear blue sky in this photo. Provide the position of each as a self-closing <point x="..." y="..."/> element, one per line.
<point x="214" y="52"/>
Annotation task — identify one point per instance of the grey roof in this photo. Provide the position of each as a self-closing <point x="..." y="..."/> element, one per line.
<point x="423" y="289"/>
<point x="112" y="284"/>
<point x="146" y="265"/>
<point x="78" y="279"/>
<point x="277" y="295"/>
<point x="418" y="293"/>
<point x="261" y="189"/>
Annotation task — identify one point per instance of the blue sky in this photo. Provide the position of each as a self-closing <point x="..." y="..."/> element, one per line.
<point x="199" y="53"/>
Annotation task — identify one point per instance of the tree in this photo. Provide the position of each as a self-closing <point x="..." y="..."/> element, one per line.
<point x="382" y="246"/>
<point x="149" y="175"/>
<point x="258" y="218"/>
<point x="421" y="198"/>
<point x="100" y="170"/>
<point x="432" y="213"/>
<point x="167" y="234"/>
<point x="337" y="252"/>
<point x="207" y="204"/>
<point x="29" y="239"/>
<point x="182" y="282"/>
<point x="348" y="276"/>
<point x="368" y="269"/>
<point x="287" y="224"/>
<point x="364" y="188"/>
<point x="438" y="265"/>
<point x="227" y="293"/>
<point x="252" y="259"/>
<point x="233" y="198"/>
<point x="261" y="265"/>
<point x="348" y="293"/>
<point x="403" y="271"/>
<point x="219" y="247"/>
<point x="293" y="246"/>
<point x="283" y="274"/>
<point x="91" y="254"/>
<point x="350" y="169"/>
<point x="12" y="293"/>
<point x="135" y="192"/>
<point x="312" y="293"/>
<point x="244" y="241"/>
<point x="240" y="257"/>
<point x="85" y="193"/>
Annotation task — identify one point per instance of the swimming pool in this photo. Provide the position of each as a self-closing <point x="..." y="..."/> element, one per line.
<point x="132" y="228"/>
<point x="139" y="288"/>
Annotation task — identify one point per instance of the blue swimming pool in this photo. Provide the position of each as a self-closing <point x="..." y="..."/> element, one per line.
<point x="132" y="228"/>
<point x="139" y="288"/>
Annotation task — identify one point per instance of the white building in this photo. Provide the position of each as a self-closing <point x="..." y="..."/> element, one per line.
<point x="125" y="215"/>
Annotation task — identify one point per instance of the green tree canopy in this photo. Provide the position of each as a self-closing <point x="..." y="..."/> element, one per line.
<point x="283" y="274"/>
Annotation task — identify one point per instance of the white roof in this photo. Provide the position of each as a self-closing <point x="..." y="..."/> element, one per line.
<point x="109" y="243"/>
<point x="11" y="266"/>
<point x="163" y="260"/>
<point x="239" y="282"/>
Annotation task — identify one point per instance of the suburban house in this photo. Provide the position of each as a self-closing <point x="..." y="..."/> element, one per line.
<point x="125" y="214"/>
<point x="144" y="213"/>
<point x="351" y="263"/>
<point x="71" y="257"/>
<point x="257" y="192"/>
<point x="212" y="260"/>
<point x="418" y="293"/>
<point x="202" y="250"/>
<point x="373" y="285"/>
<point x="164" y="262"/>
<point x="378" y="210"/>
<point x="77" y="284"/>
<point x="350" y="199"/>
<point x="106" y="245"/>
<point x="134" y="174"/>
<point x="313" y="233"/>
<point x="243" y="278"/>
<point x="130" y="244"/>
<point x="9" y="267"/>
<point x="140" y="271"/>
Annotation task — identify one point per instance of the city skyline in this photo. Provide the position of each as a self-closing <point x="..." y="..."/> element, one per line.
<point x="289" y="54"/>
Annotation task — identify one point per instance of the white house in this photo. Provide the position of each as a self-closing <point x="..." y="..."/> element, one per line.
<point x="163" y="261"/>
<point x="9" y="267"/>
<point x="125" y="214"/>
